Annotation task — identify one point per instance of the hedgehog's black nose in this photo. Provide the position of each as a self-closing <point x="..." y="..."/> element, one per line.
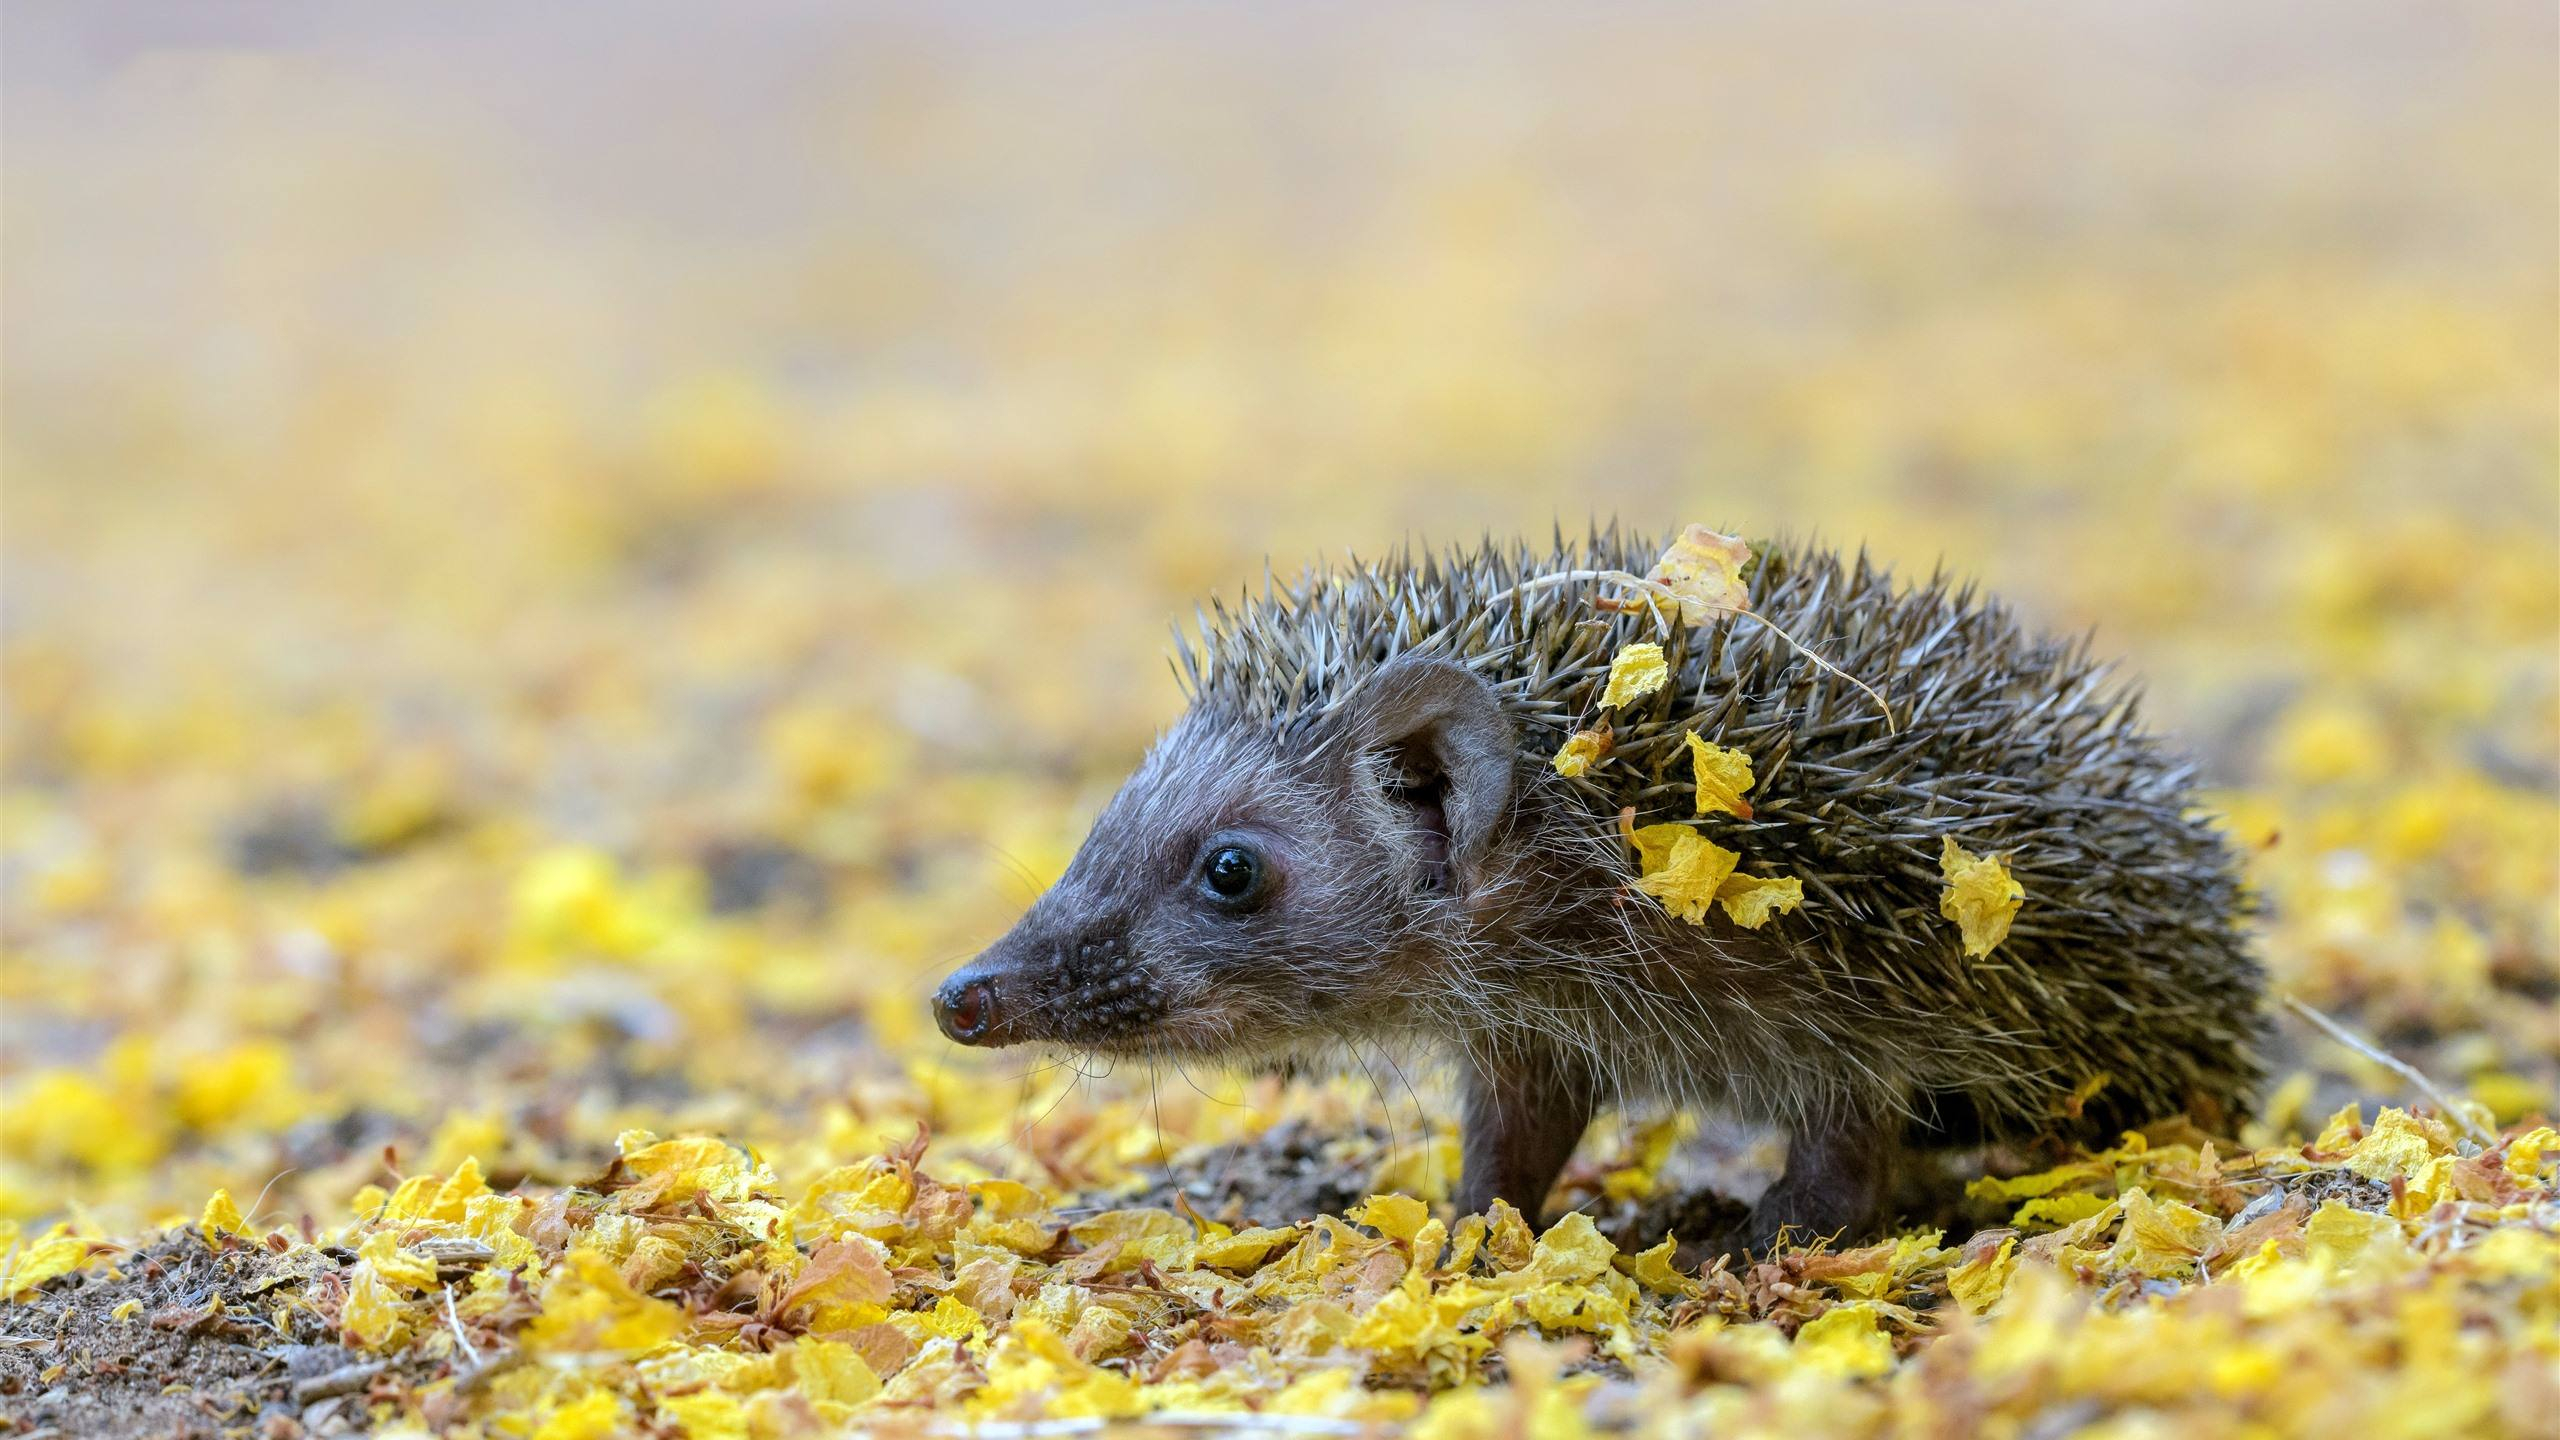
<point x="965" y="1006"/>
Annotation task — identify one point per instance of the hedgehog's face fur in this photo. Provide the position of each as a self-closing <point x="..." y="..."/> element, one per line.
<point x="1257" y="894"/>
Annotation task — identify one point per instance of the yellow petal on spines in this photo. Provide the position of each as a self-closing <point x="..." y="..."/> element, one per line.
<point x="2070" y="1106"/>
<point x="1635" y="672"/>
<point x="1980" y="897"/>
<point x="1691" y="870"/>
<point x="1723" y="775"/>
<point x="1749" y="900"/>
<point x="1703" y="572"/>
<point x="1653" y="844"/>
<point x="1582" y="750"/>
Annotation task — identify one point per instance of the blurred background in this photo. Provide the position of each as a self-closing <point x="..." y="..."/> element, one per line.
<point x="563" y="562"/>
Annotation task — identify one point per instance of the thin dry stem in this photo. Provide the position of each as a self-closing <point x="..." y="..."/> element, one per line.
<point x="1668" y="596"/>
<point x="2417" y="1079"/>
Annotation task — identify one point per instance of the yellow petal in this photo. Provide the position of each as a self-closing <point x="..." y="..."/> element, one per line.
<point x="596" y="1415"/>
<point x="1844" y="1340"/>
<point x="1654" y="1270"/>
<point x="949" y="1317"/>
<point x="1653" y="844"/>
<point x="1398" y="1217"/>
<point x="222" y="1217"/>
<point x="2071" y="1105"/>
<point x="2397" y="1148"/>
<point x="1751" y="899"/>
<point x="1243" y="1250"/>
<point x="381" y="1251"/>
<point x="2059" y="1210"/>
<point x="1583" y="750"/>
<point x="1637" y="671"/>
<point x="1130" y="1227"/>
<point x="1979" y="896"/>
<point x="588" y="1308"/>
<point x="1572" y="1249"/>
<point x="2041" y="1182"/>
<point x="706" y="1415"/>
<point x="2342" y="1130"/>
<point x="22" y="1270"/>
<point x="1507" y="1236"/>
<point x="2525" y="1152"/>
<point x="374" y="1314"/>
<point x="829" y="1370"/>
<point x="1724" y="777"/>
<point x="2352" y="1238"/>
<point x="1977" y="1284"/>
<point x="2162" y="1238"/>
<point x="1691" y="870"/>
<point x="1006" y="1199"/>
<point x="1404" y="1320"/>
<point x="1703" y="572"/>
<point x="2430" y="1187"/>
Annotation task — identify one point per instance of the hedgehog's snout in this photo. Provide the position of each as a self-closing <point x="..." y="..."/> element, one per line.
<point x="965" y="1006"/>
<point x="1083" y="989"/>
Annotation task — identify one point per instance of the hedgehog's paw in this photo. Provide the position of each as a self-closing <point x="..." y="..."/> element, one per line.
<point x="1838" y="1187"/>
<point x="1729" y="1246"/>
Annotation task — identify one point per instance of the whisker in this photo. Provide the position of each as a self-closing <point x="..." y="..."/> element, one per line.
<point x="1025" y="1132"/>
<point x="1395" y="1146"/>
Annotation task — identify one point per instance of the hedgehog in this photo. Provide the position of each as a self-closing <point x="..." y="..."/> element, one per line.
<point x="1355" y="835"/>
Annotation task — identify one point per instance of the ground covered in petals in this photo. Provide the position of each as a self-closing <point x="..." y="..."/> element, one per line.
<point x="519" y="673"/>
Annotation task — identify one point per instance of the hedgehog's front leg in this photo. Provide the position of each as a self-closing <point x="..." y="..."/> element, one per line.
<point x="1523" y="1115"/>
<point x="1839" y="1181"/>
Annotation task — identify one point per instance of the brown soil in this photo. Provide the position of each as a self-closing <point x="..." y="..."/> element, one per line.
<point x="1279" y="1177"/>
<point x="212" y="1347"/>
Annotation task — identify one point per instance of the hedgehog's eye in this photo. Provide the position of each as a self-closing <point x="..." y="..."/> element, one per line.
<point x="1233" y="875"/>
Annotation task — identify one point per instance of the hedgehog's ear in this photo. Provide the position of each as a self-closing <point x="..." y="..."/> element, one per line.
<point x="1431" y="737"/>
